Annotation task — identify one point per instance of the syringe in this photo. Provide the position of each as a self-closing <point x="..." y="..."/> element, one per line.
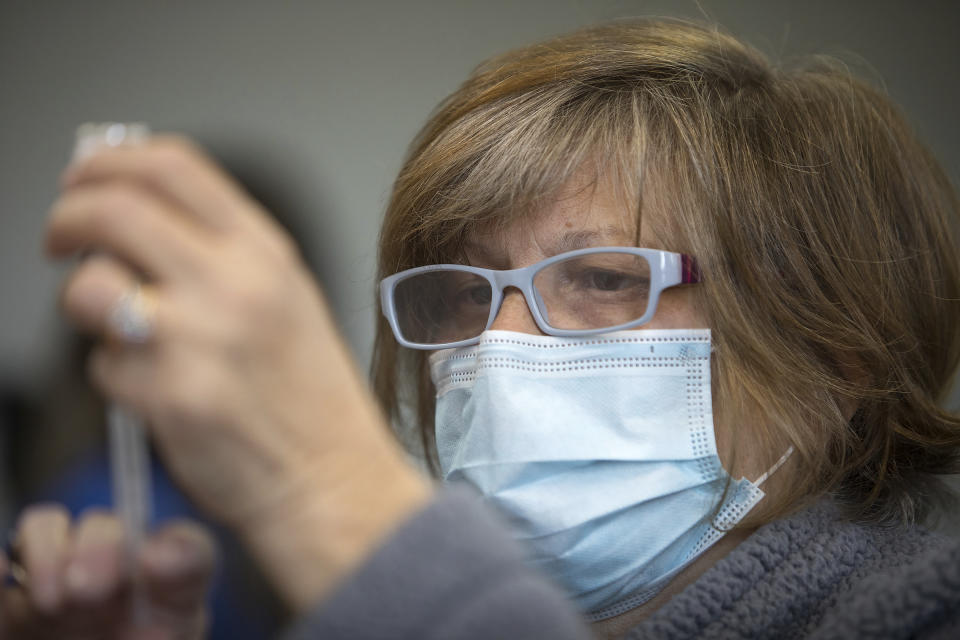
<point x="129" y="455"/>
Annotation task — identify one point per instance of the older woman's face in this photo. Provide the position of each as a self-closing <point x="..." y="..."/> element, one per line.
<point x="587" y="215"/>
<point x="583" y="215"/>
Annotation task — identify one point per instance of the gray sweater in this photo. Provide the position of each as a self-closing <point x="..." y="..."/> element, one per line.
<point x="451" y="572"/>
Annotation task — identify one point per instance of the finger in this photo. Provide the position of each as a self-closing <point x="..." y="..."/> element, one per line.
<point x="177" y="564"/>
<point x="124" y="375"/>
<point x="43" y="541"/>
<point x="97" y="565"/>
<point x="175" y="168"/>
<point x="130" y="222"/>
<point x="94" y="290"/>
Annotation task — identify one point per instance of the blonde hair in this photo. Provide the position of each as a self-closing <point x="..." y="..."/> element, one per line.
<point x="825" y="231"/>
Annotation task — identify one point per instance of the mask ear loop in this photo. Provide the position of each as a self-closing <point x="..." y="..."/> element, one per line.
<point x="779" y="463"/>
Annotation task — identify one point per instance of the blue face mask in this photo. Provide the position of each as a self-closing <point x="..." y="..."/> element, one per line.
<point x="599" y="451"/>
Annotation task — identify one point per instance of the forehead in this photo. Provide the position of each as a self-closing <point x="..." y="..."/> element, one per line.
<point x="585" y="212"/>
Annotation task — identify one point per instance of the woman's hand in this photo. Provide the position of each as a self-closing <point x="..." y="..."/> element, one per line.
<point x="76" y="580"/>
<point x="251" y="397"/>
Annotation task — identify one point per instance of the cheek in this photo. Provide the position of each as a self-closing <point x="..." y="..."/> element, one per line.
<point x="736" y="432"/>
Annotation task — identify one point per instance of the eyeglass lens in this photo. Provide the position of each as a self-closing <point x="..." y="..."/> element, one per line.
<point x="592" y="291"/>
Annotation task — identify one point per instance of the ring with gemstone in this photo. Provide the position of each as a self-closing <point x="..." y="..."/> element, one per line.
<point x="132" y="317"/>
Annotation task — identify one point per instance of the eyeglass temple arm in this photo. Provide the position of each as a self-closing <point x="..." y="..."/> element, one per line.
<point x="689" y="270"/>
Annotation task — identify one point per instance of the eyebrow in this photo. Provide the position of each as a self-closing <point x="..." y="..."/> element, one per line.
<point x="572" y="240"/>
<point x="586" y="238"/>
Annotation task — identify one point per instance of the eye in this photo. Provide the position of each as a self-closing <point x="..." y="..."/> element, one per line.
<point x="478" y="295"/>
<point x="609" y="280"/>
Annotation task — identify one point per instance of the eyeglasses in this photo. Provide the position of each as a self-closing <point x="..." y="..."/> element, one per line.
<point x="577" y="293"/>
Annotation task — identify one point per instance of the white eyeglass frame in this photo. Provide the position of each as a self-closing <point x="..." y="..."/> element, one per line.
<point x="667" y="269"/>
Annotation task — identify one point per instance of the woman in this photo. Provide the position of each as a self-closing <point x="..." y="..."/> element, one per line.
<point x="748" y="286"/>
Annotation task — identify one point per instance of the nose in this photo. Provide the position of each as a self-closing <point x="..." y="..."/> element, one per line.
<point x="514" y="314"/>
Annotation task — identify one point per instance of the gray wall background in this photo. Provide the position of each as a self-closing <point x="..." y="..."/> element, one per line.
<point x="322" y="98"/>
<point x="319" y="99"/>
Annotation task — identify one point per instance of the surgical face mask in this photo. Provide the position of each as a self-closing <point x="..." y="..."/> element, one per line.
<point x="599" y="451"/>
